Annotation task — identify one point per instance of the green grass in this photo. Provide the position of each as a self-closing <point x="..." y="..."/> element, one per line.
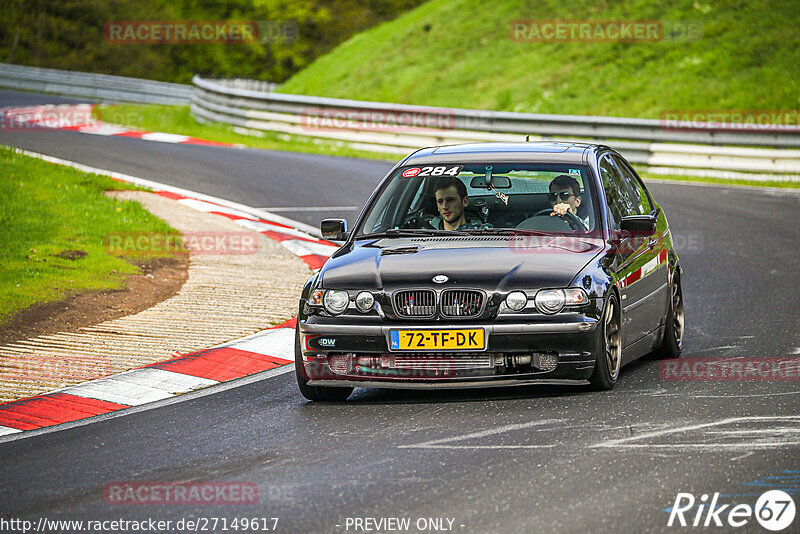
<point x="722" y="181"/>
<point x="179" y="120"/>
<point x="459" y="53"/>
<point x="49" y="210"/>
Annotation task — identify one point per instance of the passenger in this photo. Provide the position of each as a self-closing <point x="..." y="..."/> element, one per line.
<point x="451" y="201"/>
<point x="565" y="196"/>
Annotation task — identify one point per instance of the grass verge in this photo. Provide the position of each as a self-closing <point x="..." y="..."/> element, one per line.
<point x="53" y="222"/>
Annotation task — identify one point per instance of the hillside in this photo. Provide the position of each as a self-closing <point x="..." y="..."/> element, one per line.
<point x="76" y="35"/>
<point x="460" y="53"/>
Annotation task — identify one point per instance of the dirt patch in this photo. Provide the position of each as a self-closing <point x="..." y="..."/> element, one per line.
<point x="72" y="254"/>
<point x="161" y="279"/>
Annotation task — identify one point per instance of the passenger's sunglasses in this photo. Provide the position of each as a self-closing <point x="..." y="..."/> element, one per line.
<point x="564" y="195"/>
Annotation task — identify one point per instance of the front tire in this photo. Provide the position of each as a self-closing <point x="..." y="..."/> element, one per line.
<point x="314" y="393"/>
<point x="609" y="358"/>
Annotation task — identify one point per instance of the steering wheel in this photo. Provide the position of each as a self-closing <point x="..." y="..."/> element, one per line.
<point x="570" y="218"/>
<point x="416" y="220"/>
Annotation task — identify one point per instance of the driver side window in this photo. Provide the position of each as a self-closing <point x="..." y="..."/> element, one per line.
<point x="634" y="186"/>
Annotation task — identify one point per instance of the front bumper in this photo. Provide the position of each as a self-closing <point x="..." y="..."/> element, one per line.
<point x="335" y="352"/>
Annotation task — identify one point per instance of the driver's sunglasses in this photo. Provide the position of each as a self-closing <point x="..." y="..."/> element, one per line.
<point x="564" y="195"/>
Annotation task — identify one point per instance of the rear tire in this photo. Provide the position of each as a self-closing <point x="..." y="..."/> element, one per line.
<point x="609" y="358"/>
<point x="672" y="343"/>
<point x="314" y="393"/>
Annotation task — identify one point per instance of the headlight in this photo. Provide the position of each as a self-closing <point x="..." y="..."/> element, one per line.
<point x="550" y="301"/>
<point x="365" y="301"/>
<point x="335" y="301"/>
<point x="516" y="300"/>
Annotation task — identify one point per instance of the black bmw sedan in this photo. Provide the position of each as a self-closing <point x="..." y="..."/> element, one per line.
<point x="493" y="264"/>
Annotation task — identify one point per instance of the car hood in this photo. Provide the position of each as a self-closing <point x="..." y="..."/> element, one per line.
<point x="490" y="263"/>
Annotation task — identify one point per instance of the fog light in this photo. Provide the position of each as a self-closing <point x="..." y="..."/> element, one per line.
<point x="545" y="361"/>
<point x="338" y="363"/>
<point x="336" y="301"/>
<point x="516" y="300"/>
<point x="365" y="301"/>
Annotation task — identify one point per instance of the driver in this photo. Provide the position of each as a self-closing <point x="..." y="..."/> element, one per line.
<point x="451" y="200"/>
<point x="565" y="196"/>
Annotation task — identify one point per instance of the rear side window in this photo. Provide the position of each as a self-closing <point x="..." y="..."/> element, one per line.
<point x="635" y="186"/>
<point x="618" y="197"/>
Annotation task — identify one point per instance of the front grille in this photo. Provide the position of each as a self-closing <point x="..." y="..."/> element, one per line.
<point x="461" y="303"/>
<point x="415" y="303"/>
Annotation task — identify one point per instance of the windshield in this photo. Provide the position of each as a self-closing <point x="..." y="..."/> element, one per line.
<point x="484" y="198"/>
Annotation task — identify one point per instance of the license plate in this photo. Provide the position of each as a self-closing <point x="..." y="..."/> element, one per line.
<point x="462" y="339"/>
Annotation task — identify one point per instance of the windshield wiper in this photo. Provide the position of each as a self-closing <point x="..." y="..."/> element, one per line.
<point x="507" y="231"/>
<point x="405" y="232"/>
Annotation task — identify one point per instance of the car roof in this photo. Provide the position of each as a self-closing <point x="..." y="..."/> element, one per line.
<point x="536" y="151"/>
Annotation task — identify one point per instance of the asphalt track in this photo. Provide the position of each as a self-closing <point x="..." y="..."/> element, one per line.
<point x="532" y="459"/>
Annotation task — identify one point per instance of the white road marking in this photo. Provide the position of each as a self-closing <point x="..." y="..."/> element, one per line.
<point x="278" y="342"/>
<point x="304" y="248"/>
<point x="690" y="395"/>
<point x="104" y="129"/>
<point x="201" y="205"/>
<point x="747" y="442"/>
<point x="439" y="443"/>
<point x="4" y="430"/>
<point x="262" y="227"/>
<point x="139" y="386"/>
<point x="165" y="137"/>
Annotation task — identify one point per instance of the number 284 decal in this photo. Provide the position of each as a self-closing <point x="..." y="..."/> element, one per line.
<point x="442" y="170"/>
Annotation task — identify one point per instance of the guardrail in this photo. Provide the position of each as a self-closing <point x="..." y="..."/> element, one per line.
<point x="707" y="150"/>
<point x="95" y="87"/>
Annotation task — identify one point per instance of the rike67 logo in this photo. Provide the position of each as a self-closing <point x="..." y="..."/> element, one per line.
<point x="774" y="510"/>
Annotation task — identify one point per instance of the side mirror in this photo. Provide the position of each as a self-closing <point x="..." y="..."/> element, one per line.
<point x="639" y="225"/>
<point x="333" y="229"/>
